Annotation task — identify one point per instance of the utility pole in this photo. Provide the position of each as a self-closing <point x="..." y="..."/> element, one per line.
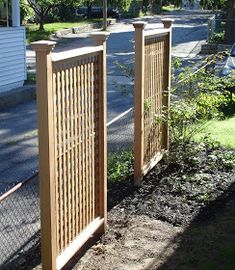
<point x="104" y="15"/>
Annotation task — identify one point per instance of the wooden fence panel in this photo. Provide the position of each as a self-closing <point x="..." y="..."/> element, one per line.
<point x="72" y="146"/>
<point x="152" y="101"/>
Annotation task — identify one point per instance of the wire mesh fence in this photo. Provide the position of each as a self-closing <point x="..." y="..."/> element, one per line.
<point x="120" y="133"/>
<point x="216" y="27"/>
<point x="20" y="210"/>
<point x="19" y="223"/>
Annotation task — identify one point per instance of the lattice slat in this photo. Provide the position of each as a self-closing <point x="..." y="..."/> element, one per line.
<point x="153" y="95"/>
<point x="76" y="97"/>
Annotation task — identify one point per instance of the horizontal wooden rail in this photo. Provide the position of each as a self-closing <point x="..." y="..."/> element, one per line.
<point x="76" y="53"/>
<point x="156" y="33"/>
<point x="87" y="233"/>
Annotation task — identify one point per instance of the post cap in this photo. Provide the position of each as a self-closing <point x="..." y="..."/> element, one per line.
<point x="43" y="45"/>
<point x="167" y="22"/>
<point x="140" y="24"/>
<point x="100" y="37"/>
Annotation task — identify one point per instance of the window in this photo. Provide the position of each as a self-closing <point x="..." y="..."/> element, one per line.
<point x="5" y="13"/>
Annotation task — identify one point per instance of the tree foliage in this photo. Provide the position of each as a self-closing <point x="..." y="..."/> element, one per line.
<point x="120" y="4"/>
<point x="41" y="8"/>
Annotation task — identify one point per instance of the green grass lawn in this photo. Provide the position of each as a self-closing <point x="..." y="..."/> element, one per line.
<point x="222" y="131"/>
<point x="169" y="8"/>
<point x="33" y="33"/>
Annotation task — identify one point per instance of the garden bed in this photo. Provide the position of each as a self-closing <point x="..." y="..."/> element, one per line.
<point x="184" y="206"/>
<point x="177" y="194"/>
<point x="176" y="203"/>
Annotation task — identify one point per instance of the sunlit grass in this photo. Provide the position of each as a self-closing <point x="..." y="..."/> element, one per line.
<point x="222" y="131"/>
<point x="169" y="8"/>
<point x="33" y="33"/>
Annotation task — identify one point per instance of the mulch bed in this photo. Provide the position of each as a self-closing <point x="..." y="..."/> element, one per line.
<point x="177" y="192"/>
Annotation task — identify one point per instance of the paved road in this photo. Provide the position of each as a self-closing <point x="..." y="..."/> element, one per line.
<point x="189" y="31"/>
<point x="18" y="134"/>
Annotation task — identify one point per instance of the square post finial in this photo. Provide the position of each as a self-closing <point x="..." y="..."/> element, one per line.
<point x="139" y="25"/>
<point x="167" y="22"/>
<point x="43" y="46"/>
<point x="100" y="37"/>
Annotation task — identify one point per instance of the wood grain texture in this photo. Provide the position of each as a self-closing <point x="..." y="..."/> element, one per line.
<point x="152" y="99"/>
<point x="72" y="135"/>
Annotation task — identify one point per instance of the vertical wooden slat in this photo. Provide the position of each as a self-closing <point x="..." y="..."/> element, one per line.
<point x="55" y="106"/>
<point x="60" y="167"/>
<point x="76" y="151"/>
<point x="139" y="101"/>
<point x="100" y="39"/>
<point x="83" y="147"/>
<point x="166" y="100"/>
<point x="79" y="146"/>
<point x="93" y="137"/>
<point x="64" y="179"/>
<point x="67" y="153"/>
<point x="72" y="145"/>
<point x="89" y="136"/>
<point x="85" y="143"/>
<point x="46" y="152"/>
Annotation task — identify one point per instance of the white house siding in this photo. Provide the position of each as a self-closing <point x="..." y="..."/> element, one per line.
<point x="12" y="58"/>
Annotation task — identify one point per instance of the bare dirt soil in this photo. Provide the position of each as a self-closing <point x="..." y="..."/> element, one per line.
<point x="182" y="217"/>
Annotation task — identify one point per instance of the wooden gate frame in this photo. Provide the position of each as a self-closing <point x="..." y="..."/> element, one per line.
<point x="44" y="85"/>
<point x="139" y="170"/>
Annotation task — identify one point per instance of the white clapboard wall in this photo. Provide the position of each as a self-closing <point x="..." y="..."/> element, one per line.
<point x="12" y="58"/>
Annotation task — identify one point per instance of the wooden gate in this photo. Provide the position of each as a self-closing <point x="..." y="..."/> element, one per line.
<point x="152" y="100"/>
<point x="71" y="94"/>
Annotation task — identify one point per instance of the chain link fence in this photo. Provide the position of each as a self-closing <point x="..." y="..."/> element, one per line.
<point x="216" y="27"/>
<point x="19" y="223"/>
<point x="20" y="210"/>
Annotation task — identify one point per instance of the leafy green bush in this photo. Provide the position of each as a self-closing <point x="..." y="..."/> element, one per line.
<point x="199" y="96"/>
<point x="217" y="37"/>
<point x="182" y="122"/>
<point x="207" y="105"/>
<point x="120" y="166"/>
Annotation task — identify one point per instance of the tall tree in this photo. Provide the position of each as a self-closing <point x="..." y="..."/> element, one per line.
<point x="230" y="23"/>
<point x="42" y="8"/>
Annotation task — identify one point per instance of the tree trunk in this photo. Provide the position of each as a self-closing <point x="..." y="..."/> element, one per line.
<point x="157" y="7"/>
<point x="145" y="4"/>
<point x="41" y="23"/>
<point x="229" y="37"/>
<point x="89" y="9"/>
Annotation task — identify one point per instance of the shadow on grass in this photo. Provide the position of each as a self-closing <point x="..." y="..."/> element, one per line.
<point x="208" y="243"/>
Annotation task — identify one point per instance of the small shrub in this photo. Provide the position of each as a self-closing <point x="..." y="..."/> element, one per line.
<point x="207" y="105"/>
<point x="217" y="37"/>
<point x="120" y="166"/>
<point x="224" y="160"/>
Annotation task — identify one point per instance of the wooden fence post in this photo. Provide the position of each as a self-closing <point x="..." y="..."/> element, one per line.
<point x="139" y="102"/>
<point x="100" y="38"/>
<point x="166" y="95"/>
<point x="46" y="152"/>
